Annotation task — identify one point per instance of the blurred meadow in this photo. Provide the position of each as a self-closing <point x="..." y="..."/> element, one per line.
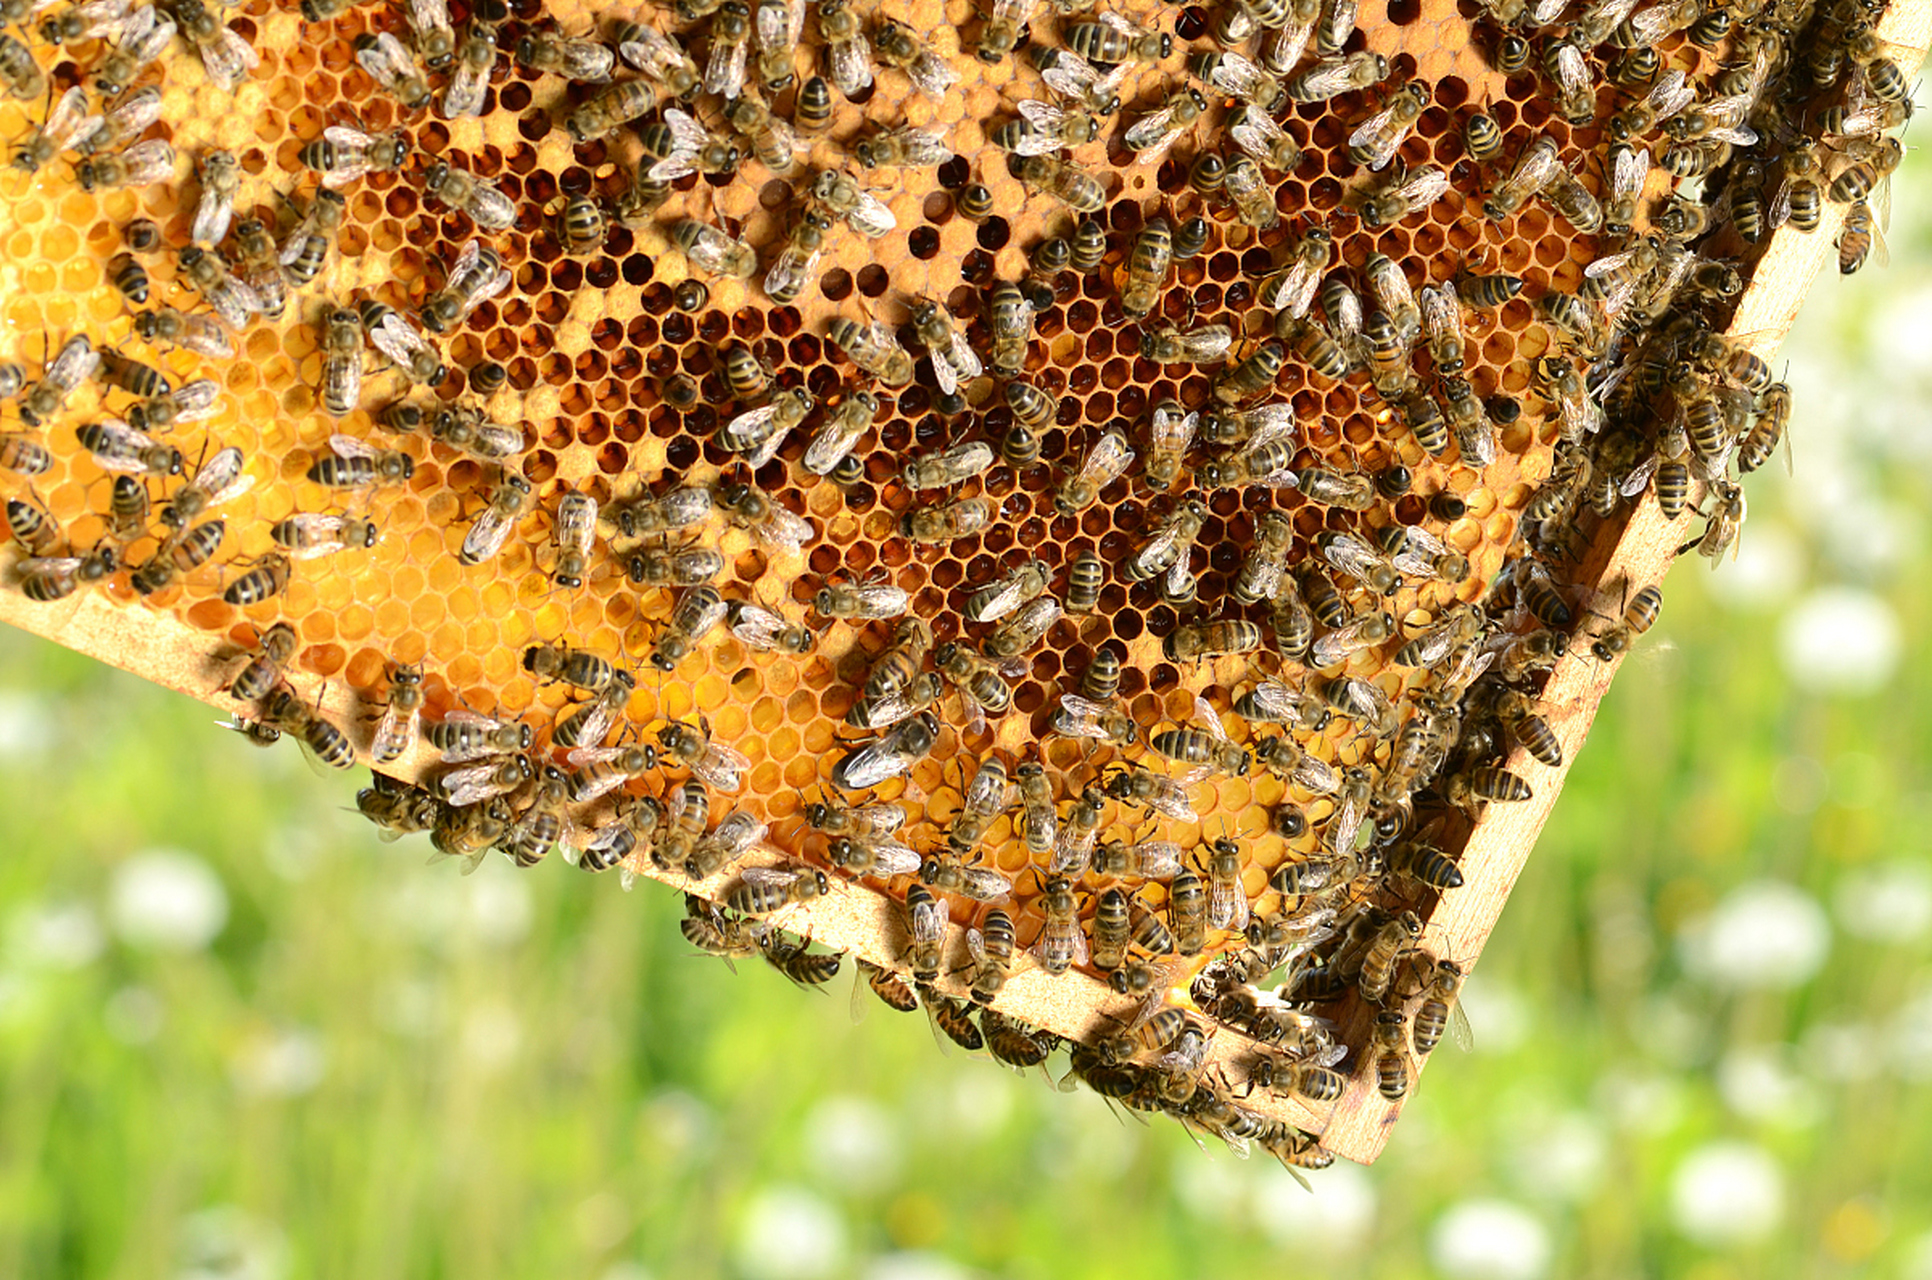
<point x="242" y="1039"/>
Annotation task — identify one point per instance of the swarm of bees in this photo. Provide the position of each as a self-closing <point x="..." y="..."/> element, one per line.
<point x="1124" y="514"/>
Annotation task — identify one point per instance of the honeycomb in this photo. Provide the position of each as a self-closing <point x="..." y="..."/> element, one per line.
<point x="596" y="345"/>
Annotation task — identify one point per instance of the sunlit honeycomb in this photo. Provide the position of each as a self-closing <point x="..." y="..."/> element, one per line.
<point x="592" y="341"/>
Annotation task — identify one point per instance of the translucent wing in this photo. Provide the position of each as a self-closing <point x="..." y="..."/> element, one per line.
<point x="1107" y="461"/>
<point x="1380" y="131"/>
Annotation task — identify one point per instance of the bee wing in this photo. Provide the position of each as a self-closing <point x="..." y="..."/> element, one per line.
<point x="686" y="133"/>
<point x="1378" y="137"/>
<point x="1209" y="718"/>
<point x="893" y="859"/>
<point x="1043" y="116"/>
<point x="976" y="946"/>
<point x="744" y="429"/>
<point x="1627" y="174"/>
<point x="964" y="360"/>
<point x="780" y="24"/>
<point x="1671" y="94"/>
<point x="345" y="136"/>
<point x="68" y="119"/>
<point x="852" y="65"/>
<point x="228" y="58"/>
<point x="724" y="70"/>
<point x="784" y="530"/>
<point x="1171" y="799"/>
<point x="1256" y="133"/>
<point x="869" y="216"/>
<point x="772" y="877"/>
<point x="1107" y="461"/>
<point x="349" y="447"/>
<point x="394" y="734"/>
<point x="932" y="74"/>
<point x="1459" y="1029"/>
<point x="1157" y="859"/>
<point x="1152" y="135"/>
<point x="982" y="885"/>
<point x="426" y="16"/>
<point x="1173" y="431"/>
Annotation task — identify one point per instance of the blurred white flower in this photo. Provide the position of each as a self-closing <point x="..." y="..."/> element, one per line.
<point x="1336" y="1217"/>
<point x="497" y="907"/>
<point x="677" y="1121"/>
<point x="167" y="900"/>
<point x="625" y="1271"/>
<point x="790" y="1234"/>
<point x="1915" y="1259"/>
<point x="1561" y="1157"/>
<point x="977" y="1103"/>
<point x="1843" y="1051"/>
<point x="1490" y="1240"/>
<point x="224" y="1243"/>
<point x="1498" y="1015"/>
<point x="1213" y="1190"/>
<point x="1727" y="1193"/>
<point x="915" y="1265"/>
<point x="1841" y="640"/>
<point x="602" y="1219"/>
<point x="1798" y="784"/>
<point x="411" y="1006"/>
<point x="134" y="1015"/>
<point x="1645" y="1104"/>
<point x="1763" y="934"/>
<point x="1890" y="903"/>
<point x="1759" y="1083"/>
<point x="856" y="1137"/>
<point x="1769" y="566"/>
<point x="492" y="1035"/>
<point x="1910" y="1038"/>
<point x="54" y="935"/>
<point x="26" y="724"/>
<point x="280" y="1064"/>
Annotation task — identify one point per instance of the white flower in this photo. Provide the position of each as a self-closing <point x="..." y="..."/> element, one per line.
<point x="1841" y="640"/>
<point x="1490" y="1240"/>
<point x="1497" y="1015"/>
<point x="790" y="1234"/>
<point x="491" y="1036"/>
<point x="1213" y="1190"/>
<point x="60" y="935"/>
<point x="497" y="906"/>
<point x="1336" y="1217"/>
<point x="1768" y="565"/>
<point x="1911" y="1038"/>
<point x="134" y="1015"/>
<point x="284" y="1064"/>
<point x="1843" y="1051"/>
<point x="918" y="1265"/>
<point x="25" y="724"/>
<point x="1917" y="1255"/>
<point x="1647" y="1104"/>
<point x="1561" y="1157"/>
<point x="1890" y="903"/>
<point x="167" y="900"/>
<point x="854" y="1136"/>
<point x="1759" y="1084"/>
<point x="224" y="1243"/>
<point x="1763" y="934"/>
<point x="1727" y="1193"/>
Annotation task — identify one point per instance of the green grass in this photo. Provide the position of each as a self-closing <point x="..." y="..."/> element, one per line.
<point x="382" y="1069"/>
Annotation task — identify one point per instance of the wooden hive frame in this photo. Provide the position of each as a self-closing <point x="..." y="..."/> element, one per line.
<point x="170" y="646"/>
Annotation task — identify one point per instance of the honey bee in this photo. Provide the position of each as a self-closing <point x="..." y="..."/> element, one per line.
<point x="954" y="1017"/>
<point x="1468" y="789"/>
<point x="1668" y="95"/>
<point x="119" y="447"/>
<point x="1256" y="132"/>
<point x="587" y="724"/>
<point x="650" y="51"/>
<point x="1208" y="749"/>
<point x="141" y="165"/>
<point x="1330" y="77"/>
<point x="1534" y="168"/>
<point x="142" y="39"/>
<point x="1251" y="376"/>
<point x="749" y="507"/>
<point x="1254" y="199"/>
<point x="759" y="628"/>
<point x="1263" y="460"/>
<point x="1142" y="860"/>
<point x="341" y="392"/>
<point x="1152" y="135"/>
<point x="736" y="837"/>
<point x="1061" y="943"/>
<point x="1390" y="943"/>
<point x="619" y="104"/>
<point x="308" y="536"/>
<point x="1083" y="717"/>
<point x="389" y="64"/>
<point x="486" y="206"/>
<point x="1014" y="588"/>
<point x="949" y="875"/>
<point x="396" y="808"/>
<point x="1106" y="462"/>
<point x="1023" y="630"/>
<point x="978" y="680"/>
<point x="953" y="360"/>
<point x="1113" y="39"/>
<point x="343" y="154"/>
<point x="127" y="119"/>
<point x="890" y="755"/>
<point x="861" y="600"/>
<point x="991" y="948"/>
<point x="601" y="770"/>
<point x="410" y="352"/>
<point x="717" y="934"/>
<point x="804" y="967"/>
<point x="88" y="20"/>
<point x="1061" y="180"/>
<point x="283" y="711"/>
<point x="1078" y="80"/>
<point x="1375" y="141"/>
<point x="1112" y="930"/>
<point x="1203" y="345"/>
<point x="225" y="55"/>
<point x="477" y="275"/>
<point x="67" y="124"/>
<point x="44" y="579"/>
<point x="1441" y="1010"/>
<point x="761" y="891"/>
<point x="1137" y="784"/>
<point x="959" y="519"/>
<point x="898" y="46"/>
<point x="873" y="349"/>
<point x="306" y="250"/>
<point x="873" y="855"/>
<point x="493" y="524"/>
<point x="633" y="822"/>
<point x="268" y="577"/>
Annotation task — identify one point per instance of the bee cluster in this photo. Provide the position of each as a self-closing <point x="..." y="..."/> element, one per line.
<point x="1276" y="371"/>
